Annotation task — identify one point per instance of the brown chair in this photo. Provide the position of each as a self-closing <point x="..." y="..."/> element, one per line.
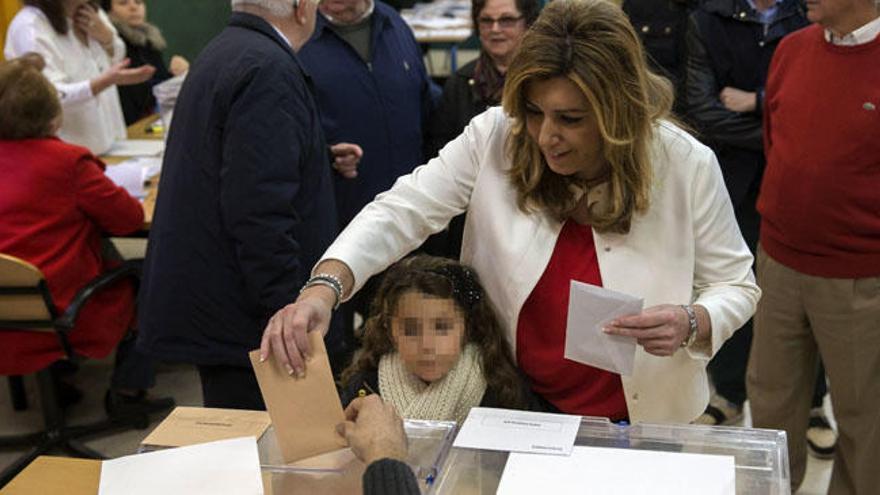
<point x="26" y="304"/>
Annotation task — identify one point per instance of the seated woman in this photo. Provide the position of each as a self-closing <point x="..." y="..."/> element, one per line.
<point x="55" y="204"/>
<point x="433" y="346"/>
<point x="85" y="60"/>
<point x="143" y="46"/>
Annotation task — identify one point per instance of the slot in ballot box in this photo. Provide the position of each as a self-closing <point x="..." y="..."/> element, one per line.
<point x="760" y="456"/>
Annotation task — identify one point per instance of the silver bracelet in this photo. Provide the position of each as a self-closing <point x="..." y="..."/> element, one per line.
<point x="327" y="280"/>
<point x="692" y="322"/>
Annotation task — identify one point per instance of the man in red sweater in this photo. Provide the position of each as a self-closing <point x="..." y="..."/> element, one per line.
<point x="819" y="255"/>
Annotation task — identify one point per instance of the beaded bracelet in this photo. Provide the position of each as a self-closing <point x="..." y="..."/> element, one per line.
<point x="327" y="280"/>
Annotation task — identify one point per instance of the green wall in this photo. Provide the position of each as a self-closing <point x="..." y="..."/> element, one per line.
<point x="188" y="25"/>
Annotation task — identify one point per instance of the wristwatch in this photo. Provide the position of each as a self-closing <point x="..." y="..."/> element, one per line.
<point x="692" y="322"/>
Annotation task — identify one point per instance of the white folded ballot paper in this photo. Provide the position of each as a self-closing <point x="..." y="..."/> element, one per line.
<point x="619" y="471"/>
<point x="131" y="174"/>
<point x="518" y="431"/>
<point x="137" y="147"/>
<point x="215" y="468"/>
<point x="590" y="308"/>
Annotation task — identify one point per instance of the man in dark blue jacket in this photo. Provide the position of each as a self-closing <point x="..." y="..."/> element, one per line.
<point x="373" y="90"/>
<point x="246" y="201"/>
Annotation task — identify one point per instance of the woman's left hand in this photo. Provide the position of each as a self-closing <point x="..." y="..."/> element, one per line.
<point x="659" y="329"/>
<point x="87" y="20"/>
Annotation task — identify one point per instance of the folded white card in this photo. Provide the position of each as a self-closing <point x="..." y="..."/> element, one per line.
<point x="137" y="147"/>
<point x="129" y="175"/>
<point x="619" y="471"/>
<point x="590" y="308"/>
<point x="518" y="431"/>
<point x="225" y="466"/>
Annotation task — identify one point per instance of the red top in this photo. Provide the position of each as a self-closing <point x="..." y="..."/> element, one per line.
<point x="540" y="337"/>
<point x="55" y="202"/>
<point x="819" y="203"/>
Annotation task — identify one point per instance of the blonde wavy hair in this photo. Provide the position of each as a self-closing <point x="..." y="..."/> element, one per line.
<point x="592" y="44"/>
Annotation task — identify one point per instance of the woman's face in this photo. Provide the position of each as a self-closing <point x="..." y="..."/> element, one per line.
<point x="560" y="120"/>
<point x="502" y="27"/>
<point x="428" y="332"/>
<point x="131" y="12"/>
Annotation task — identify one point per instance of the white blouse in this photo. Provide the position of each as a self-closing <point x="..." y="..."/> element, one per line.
<point x="93" y="121"/>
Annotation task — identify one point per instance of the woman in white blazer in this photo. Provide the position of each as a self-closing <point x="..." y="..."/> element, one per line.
<point x="85" y="60"/>
<point x="581" y="145"/>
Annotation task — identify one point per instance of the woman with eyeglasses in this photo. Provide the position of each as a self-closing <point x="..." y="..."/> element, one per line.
<point x="580" y="176"/>
<point x="477" y="85"/>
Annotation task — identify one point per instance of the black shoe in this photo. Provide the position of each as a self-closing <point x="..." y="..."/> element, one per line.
<point x="135" y="408"/>
<point x="821" y="438"/>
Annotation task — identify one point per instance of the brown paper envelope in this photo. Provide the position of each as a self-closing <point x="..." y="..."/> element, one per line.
<point x="304" y="411"/>
<point x="194" y="425"/>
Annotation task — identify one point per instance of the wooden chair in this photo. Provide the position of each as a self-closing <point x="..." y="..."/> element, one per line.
<point x="26" y="304"/>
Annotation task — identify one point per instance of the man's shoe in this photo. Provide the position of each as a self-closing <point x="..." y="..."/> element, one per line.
<point x="821" y="438"/>
<point x="720" y="412"/>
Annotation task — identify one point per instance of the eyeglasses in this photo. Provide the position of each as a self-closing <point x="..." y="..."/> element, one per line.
<point x="504" y="22"/>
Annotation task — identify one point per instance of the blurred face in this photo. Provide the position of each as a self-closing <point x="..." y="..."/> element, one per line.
<point x="131" y="12"/>
<point x="345" y="11"/>
<point x="428" y="333"/>
<point x="559" y="118"/>
<point x="501" y="28"/>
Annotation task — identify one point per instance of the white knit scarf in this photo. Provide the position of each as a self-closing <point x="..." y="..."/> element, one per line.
<point x="447" y="399"/>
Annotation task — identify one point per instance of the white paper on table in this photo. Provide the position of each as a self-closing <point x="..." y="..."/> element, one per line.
<point x="518" y="431"/>
<point x="619" y="471"/>
<point x="590" y="308"/>
<point x="128" y="175"/>
<point x="137" y="147"/>
<point x="226" y="466"/>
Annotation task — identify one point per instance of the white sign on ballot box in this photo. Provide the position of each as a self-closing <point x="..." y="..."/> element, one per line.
<point x="518" y="431"/>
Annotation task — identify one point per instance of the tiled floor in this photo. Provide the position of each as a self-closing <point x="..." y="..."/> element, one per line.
<point x="182" y="383"/>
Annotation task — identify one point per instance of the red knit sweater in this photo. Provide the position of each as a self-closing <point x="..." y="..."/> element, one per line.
<point x="820" y="199"/>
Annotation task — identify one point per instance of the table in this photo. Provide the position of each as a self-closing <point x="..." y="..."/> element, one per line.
<point x="138" y="130"/>
<point x="50" y="474"/>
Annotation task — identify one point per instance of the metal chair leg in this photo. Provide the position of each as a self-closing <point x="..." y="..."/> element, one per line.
<point x="16" y="392"/>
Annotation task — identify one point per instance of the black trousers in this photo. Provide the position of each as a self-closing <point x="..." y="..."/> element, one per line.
<point x="230" y="387"/>
<point x="132" y="369"/>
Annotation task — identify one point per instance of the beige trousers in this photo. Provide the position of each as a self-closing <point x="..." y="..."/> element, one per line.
<point x="799" y="318"/>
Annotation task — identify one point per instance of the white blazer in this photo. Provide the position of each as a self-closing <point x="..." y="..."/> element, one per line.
<point x="686" y="249"/>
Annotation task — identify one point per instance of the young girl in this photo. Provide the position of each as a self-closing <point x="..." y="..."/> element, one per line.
<point x="144" y="44"/>
<point x="433" y="346"/>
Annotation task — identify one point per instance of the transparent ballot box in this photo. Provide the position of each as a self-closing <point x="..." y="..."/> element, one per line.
<point x="760" y="456"/>
<point x="340" y="472"/>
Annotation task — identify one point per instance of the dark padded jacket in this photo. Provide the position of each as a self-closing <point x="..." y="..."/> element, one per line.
<point x="729" y="46"/>
<point x="245" y="205"/>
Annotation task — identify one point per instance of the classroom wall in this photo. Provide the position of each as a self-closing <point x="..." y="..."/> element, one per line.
<point x="188" y="25"/>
